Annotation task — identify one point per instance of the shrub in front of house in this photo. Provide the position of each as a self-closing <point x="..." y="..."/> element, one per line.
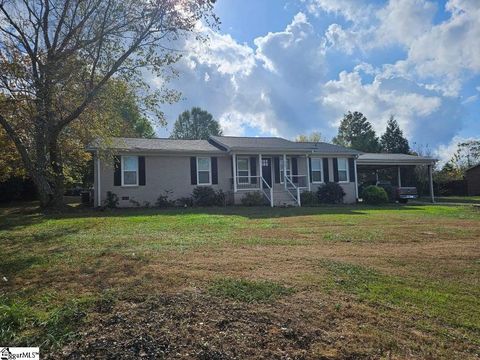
<point x="163" y="201"/>
<point x="374" y="195"/>
<point x="253" y="199"/>
<point x="308" y="198"/>
<point x="112" y="200"/>
<point x="206" y="196"/>
<point x="390" y="190"/>
<point x="330" y="193"/>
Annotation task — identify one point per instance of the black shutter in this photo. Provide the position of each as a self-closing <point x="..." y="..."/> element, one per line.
<point x="214" y="171"/>
<point x="253" y="169"/>
<point x="335" y="169"/>
<point x="193" y="170"/>
<point x="351" y="169"/>
<point x="326" y="171"/>
<point x="141" y="171"/>
<point x="294" y="170"/>
<point x="276" y="163"/>
<point x="310" y="169"/>
<point x="117" y="171"/>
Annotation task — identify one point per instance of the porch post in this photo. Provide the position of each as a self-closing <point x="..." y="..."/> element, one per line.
<point x="99" y="196"/>
<point x="260" y="171"/>
<point x="376" y="176"/>
<point x="285" y="170"/>
<point x="430" y="179"/>
<point x="308" y="173"/>
<point x="399" y="176"/>
<point x="356" y="177"/>
<point x="234" y="156"/>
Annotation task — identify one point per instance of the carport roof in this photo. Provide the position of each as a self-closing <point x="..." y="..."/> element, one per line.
<point x="393" y="159"/>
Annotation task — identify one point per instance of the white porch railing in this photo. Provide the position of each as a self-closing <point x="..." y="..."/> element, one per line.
<point x="253" y="183"/>
<point x="247" y="182"/>
<point x="300" y="181"/>
<point x="293" y="190"/>
<point x="267" y="191"/>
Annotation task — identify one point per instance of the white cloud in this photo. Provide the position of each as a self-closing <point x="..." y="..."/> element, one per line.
<point x="352" y="10"/>
<point x="403" y="21"/>
<point x="421" y="113"/>
<point x="262" y="87"/>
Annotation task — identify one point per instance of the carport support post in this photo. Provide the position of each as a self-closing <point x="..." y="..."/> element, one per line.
<point x="356" y="178"/>
<point x="399" y="175"/>
<point x="430" y="179"/>
<point x="309" y="181"/>
<point x="234" y="156"/>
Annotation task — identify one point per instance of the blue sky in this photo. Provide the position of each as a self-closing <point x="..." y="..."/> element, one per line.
<point x="289" y="67"/>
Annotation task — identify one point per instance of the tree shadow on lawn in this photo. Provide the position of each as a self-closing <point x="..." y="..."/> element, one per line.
<point x="261" y="212"/>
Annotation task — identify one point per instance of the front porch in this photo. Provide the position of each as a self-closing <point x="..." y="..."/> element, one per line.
<point x="279" y="177"/>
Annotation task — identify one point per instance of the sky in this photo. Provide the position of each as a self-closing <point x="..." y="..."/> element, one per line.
<point x="284" y="68"/>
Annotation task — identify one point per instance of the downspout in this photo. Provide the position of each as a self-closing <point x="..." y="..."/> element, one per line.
<point x="356" y="177"/>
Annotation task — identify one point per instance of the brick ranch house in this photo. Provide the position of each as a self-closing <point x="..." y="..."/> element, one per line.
<point x="143" y="169"/>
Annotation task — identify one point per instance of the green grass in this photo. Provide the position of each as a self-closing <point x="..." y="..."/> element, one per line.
<point x="449" y="303"/>
<point x="421" y="260"/>
<point x="456" y="199"/>
<point x="248" y="290"/>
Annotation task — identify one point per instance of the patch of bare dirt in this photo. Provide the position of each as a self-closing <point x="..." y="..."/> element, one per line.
<point x="193" y="325"/>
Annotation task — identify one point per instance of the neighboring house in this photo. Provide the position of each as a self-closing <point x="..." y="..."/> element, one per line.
<point x="473" y="180"/>
<point x="143" y="169"/>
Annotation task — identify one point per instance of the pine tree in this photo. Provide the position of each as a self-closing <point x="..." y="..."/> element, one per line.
<point x="357" y="133"/>
<point x="393" y="141"/>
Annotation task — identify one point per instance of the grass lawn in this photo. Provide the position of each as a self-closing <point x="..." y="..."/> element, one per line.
<point x="327" y="282"/>
<point x="455" y="199"/>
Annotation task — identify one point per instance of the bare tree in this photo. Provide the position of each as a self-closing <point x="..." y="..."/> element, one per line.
<point x="57" y="55"/>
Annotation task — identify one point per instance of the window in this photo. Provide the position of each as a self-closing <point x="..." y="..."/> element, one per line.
<point x="317" y="170"/>
<point x="204" y="170"/>
<point x="129" y="170"/>
<point x="243" y="170"/>
<point x="342" y="170"/>
<point x="289" y="169"/>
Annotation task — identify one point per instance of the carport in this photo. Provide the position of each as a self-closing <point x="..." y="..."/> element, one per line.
<point x="375" y="162"/>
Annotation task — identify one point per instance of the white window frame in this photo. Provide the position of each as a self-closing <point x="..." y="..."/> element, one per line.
<point x="346" y="170"/>
<point x="123" y="169"/>
<point x="289" y="169"/>
<point x="321" y="171"/>
<point x="209" y="171"/>
<point x="248" y="169"/>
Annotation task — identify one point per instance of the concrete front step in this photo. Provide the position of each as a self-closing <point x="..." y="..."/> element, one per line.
<point x="282" y="198"/>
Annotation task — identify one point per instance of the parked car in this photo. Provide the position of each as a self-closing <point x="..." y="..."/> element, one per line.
<point x="401" y="194"/>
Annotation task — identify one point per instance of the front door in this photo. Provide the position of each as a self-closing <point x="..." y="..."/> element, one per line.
<point x="267" y="171"/>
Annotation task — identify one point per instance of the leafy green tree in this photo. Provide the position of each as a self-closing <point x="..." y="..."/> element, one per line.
<point x="357" y="133"/>
<point x="393" y="141"/>
<point x="115" y="112"/>
<point x="312" y="137"/>
<point x="196" y="124"/>
<point x="56" y="56"/>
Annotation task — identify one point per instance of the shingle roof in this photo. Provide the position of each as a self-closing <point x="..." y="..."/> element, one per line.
<point x="167" y="145"/>
<point x="383" y="158"/>
<point x="276" y="143"/>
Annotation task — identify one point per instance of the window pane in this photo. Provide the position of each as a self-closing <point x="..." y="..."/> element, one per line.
<point x="203" y="164"/>
<point x="342" y="175"/>
<point x="242" y="164"/>
<point x="316" y="164"/>
<point x="130" y="177"/>
<point x="342" y="164"/>
<point x="130" y="163"/>
<point x="316" y="176"/>
<point x="203" y="177"/>
<point x="243" y="176"/>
